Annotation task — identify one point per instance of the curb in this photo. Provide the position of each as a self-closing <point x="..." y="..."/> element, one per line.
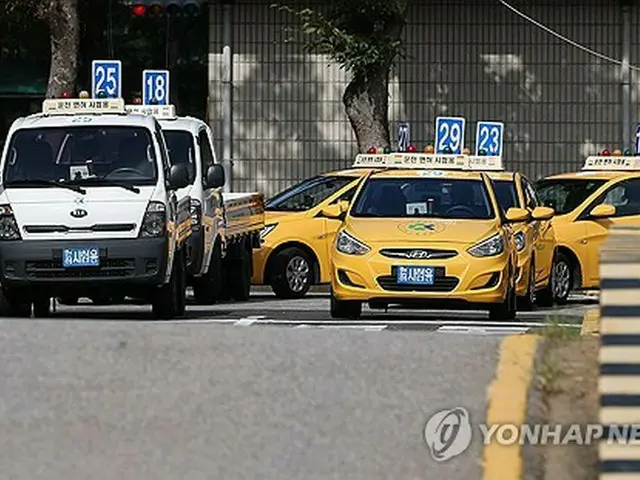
<point x="507" y="403"/>
<point x="591" y="322"/>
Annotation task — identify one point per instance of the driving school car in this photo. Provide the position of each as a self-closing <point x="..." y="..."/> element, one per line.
<point x="605" y="193"/>
<point x="425" y="231"/>
<point x="534" y="237"/>
<point x="297" y="238"/>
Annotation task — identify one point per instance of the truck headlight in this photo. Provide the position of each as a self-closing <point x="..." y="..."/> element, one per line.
<point x="490" y="247"/>
<point x="8" y="226"/>
<point x="350" y="245"/>
<point x="154" y="223"/>
<point x="520" y="240"/>
<point x="195" y="208"/>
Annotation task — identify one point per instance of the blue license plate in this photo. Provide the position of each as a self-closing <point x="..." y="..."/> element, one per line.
<point x="414" y="275"/>
<point x="81" y="257"/>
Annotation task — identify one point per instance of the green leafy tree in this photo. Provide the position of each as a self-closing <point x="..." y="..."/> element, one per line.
<point x="365" y="38"/>
<point x="61" y="18"/>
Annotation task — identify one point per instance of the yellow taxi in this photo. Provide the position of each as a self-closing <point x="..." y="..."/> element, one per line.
<point x="534" y="237"/>
<point x="427" y="231"/>
<point x="587" y="203"/>
<point x="296" y="240"/>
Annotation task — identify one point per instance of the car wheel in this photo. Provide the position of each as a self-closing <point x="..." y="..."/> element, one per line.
<point x="345" y="309"/>
<point x="561" y="279"/>
<point x="292" y="273"/>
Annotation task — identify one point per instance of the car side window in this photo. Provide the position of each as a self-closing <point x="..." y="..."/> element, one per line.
<point x="530" y="197"/>
<point x="206" y="153"/>
<point x="625" y="196"/>
<point x="163" y="150"/>
<point x="346" y="196"/>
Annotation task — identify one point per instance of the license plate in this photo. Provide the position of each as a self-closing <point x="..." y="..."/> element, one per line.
<point x="415" y="275"/>
<point x="81" y="257"/>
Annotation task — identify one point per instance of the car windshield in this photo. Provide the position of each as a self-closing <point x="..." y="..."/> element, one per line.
<point x="81" y="155"/>
<point x="565" y="195"/>
<point x="424" y="198"/>
<point x="181" y="150"/>
<point x="506" y="194"/>
<point x="307" y="194"/>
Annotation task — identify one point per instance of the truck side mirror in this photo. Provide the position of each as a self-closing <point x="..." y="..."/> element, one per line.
<point x="215" y="177"/>
<point x="179" y="176"/>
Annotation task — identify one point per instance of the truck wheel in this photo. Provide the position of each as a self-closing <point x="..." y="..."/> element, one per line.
<point x="345" y="309"/>
<point x="13" y="307"/>
<point x="239" y="273"/>
<point x="291" y="274"/>
<point x="165" y="299"/>
<point x="42" y="308"/>
<point x="181" y="300"/>
<point x="207" y="289"/>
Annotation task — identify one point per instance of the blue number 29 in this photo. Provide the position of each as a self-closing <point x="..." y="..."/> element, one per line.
<point x="450" y="135"/>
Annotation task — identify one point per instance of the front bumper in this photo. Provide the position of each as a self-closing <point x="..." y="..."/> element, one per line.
<point x="459" y="282"/>
<point x="125" y="264"/>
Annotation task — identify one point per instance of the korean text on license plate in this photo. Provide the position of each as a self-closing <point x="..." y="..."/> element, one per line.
<point x="415" y="275"/>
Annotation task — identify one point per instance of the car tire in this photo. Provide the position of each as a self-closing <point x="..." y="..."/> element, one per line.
<point x="164" y="304"/>
<point x="291" y="274"/>
<point x="561" y="279"/>
<point x="506" y="310"/>
<point x="345" y="309"/>
<point x="239" y="272"/>
<point x="528" y="301"/>
<point x="42" y="308"/>
<point x="207" y="289"/>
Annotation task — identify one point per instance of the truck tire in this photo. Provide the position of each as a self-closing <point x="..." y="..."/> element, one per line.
<point x="207" y="289"/>
<point x="181" y="292"/>
<point x="13" y="307"/>
<point x="165" y="302"/>
<point x="239" y="272"/>
<point x="291" y="274"/>
<point x="42" y="308"/>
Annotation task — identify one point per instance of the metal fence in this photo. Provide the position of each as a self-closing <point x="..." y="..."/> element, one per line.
<point x="471" y="58"/>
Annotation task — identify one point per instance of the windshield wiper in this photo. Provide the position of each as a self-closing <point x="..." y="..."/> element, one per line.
<point x="108" y="183"/>
<point x="46" y="183"/>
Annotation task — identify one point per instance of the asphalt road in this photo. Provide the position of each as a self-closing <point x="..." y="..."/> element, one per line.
<point x="108" y="392"/>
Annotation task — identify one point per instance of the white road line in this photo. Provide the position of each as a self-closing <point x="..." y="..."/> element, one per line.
<point x="391" y="322"/>
<point x="248" y="321"/>
<point x="368" y="328"/>
<point x="482" y="330"/>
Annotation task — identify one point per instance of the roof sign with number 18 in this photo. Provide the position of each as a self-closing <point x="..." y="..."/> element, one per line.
<point x="449" y="135"/>
<point x="106" y="79"/>
<point x="155" y="87"/>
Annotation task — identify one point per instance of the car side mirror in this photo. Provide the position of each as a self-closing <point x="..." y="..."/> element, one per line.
<point x="542" y="213"/>
<point x="179" y="176"/>
<point x="603" y="211"/>
<point x="515" y="215"/>
<point x="332" y="211"/>
<point x="215" y="177"/>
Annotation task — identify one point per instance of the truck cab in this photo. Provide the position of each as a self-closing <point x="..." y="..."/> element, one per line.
<point x="89" y="208"/>
<point x="225" y="227"/>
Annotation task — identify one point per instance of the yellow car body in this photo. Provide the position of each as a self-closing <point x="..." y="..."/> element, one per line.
<point x="587" y="204"/>
<point x="375" y="254"/>
<point x="534" y="238"/>
<point x="297" y="238"/>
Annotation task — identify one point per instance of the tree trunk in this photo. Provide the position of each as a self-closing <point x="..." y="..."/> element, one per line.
<point x="64" y="28"/>
<point x="367" y="104"/>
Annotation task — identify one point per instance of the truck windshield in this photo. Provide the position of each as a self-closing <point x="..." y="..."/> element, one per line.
<point x="565" y="195"/>
<point x="81" y="155"/>
<point x="424" y="198"/>
<point x="506" y="194"/>
<point x="181" y="150"/>
<point x="307" y="194"/>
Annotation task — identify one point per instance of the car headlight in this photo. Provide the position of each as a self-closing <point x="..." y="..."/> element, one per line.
<point x="350" y="245"/>
<point x="267" y="230"/>
<point x="488" y="248"/>
<point x="154" y="223"/>
<point x="8" y="225"/>
<point x="520" y="241"/>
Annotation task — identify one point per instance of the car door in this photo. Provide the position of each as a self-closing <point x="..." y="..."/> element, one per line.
<point x="543" y="234"/>
<point x="211" y="198"/>
<point x="625" y="196"/>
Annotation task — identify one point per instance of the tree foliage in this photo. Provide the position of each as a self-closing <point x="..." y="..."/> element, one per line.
<point x="364" y="37"/>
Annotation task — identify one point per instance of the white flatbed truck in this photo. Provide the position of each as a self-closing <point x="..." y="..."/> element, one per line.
<point x="225" y="226"/>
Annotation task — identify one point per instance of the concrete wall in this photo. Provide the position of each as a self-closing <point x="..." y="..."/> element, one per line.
<point x="472" y="58"/>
